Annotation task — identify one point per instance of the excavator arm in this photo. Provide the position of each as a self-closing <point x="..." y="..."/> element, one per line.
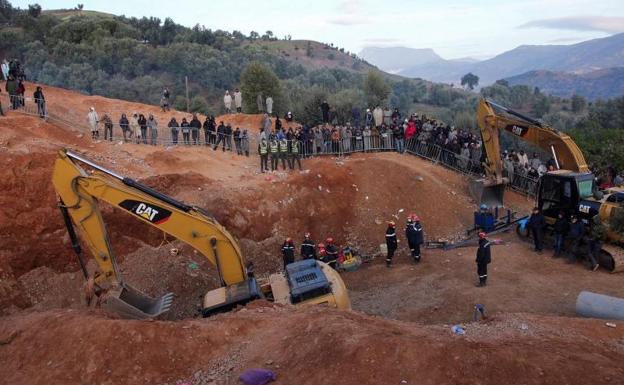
<point x="79" y="194"/>
<point x="494" y="119"/>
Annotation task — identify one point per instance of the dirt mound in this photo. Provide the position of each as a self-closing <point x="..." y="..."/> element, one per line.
<point x="73" y="108"/>
<point x="349" y="347"/>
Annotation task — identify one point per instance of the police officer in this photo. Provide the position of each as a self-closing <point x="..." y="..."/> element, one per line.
<point x="596" y="236"/>
<point x="536" y="224"/>
<point x="391" y="242"/>
<point x="484" y="257"/>
<point x="288" y="252"/>
<point x="308" y="247"/>
<point x="575" y="234"/>
<point x="283" y="151"/>
<point x="331" y="257"/>
<point x="274" y="149"/>
<point x="414" y="235"/>
<point x="293" y="155"/>
<point x="263" y="150"/>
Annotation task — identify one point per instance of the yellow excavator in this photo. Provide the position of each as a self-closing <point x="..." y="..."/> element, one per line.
<point x="569" y="188"/>
<point x="80" y="190"/>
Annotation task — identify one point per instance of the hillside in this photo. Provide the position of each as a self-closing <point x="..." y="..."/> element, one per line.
<point x="589" y="55"/>
<point x="134" y="59"/>
<point x="600" y="84"/>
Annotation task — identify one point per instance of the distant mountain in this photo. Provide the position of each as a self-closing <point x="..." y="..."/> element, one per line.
<point x="397" y="59"/>
<point x="582" y="57"/>
<point x="605" y="83"/>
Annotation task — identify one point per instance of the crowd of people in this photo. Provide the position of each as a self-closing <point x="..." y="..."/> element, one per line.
<point x="571" y="234"/>
<point x="13" y="75"/>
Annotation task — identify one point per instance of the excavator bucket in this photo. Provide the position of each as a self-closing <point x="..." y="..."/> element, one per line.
<point x="485" y="192"/>
<point x="129" y="302"/>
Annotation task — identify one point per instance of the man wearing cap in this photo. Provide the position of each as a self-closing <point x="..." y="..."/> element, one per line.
<point x="308" y="247"/>
<point x="288" y="252"/>
<point x="484" y="257"/>
<point x="414" y="235"/>
<point x="391" y="242"/>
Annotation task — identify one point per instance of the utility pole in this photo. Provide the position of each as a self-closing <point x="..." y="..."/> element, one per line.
<point x="187" y="98"/>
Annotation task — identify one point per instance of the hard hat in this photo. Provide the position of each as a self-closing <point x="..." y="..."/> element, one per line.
<point x="481" y="234"/>
<point x="289" y="239"/>
<point x="329" y="240"/>
<point x="484" y="206"/>
<point x="391" y="223"/>
<point x="409" y="219"/>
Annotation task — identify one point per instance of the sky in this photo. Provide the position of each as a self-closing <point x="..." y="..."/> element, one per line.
<point x="453" y="28"/>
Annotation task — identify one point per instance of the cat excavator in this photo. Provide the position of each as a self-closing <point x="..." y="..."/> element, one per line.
<point x="80" y="191"/>
<point x="570" y="188"/>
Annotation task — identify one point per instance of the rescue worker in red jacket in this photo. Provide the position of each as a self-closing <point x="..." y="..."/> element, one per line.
<point x="288" y="252"/>
<point x="391" y="242"/>
<point x="484" y="257"/>
<point x="331" y="257"/>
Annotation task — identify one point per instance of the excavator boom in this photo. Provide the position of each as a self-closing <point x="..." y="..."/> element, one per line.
<point x="493" y="119"/>
<point x="79" y="195"/>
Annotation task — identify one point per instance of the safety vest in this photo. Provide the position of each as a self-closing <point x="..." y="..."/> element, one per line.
<point x="283" y="146"/>
<point x="263" y="149"/>
<point x="273" y="147"/>
<point x="294" y="147"/>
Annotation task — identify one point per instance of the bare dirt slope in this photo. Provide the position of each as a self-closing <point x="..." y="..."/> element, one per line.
<point x="399" y="331"/>
<point x="306" y="347"/>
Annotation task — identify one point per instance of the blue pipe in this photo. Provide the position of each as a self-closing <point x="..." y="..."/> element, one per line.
<point x="593" y="305"/>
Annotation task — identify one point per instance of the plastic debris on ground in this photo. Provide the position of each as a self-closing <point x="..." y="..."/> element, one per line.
<point x="458" y="330"/>
<point x="257" y="377"/>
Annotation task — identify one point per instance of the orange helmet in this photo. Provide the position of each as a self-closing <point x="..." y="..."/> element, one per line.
<point x="482" y="235"/>
<point x="329" y="240"/>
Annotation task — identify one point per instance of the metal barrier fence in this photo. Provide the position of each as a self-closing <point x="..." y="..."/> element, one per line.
<point x="315" y="146"/>
<point x="24" y="105"/>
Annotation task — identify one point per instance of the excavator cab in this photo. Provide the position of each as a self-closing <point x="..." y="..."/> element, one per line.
<point x="567" y="191"/>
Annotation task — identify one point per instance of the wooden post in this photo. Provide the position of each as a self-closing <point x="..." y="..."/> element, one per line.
<point x="187" y="97"/>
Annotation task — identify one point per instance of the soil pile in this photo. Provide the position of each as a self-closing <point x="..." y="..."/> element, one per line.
<point x="306" y="346"/>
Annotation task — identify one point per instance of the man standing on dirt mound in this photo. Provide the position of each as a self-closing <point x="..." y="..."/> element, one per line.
<point x="484" y="257"/>
<point x="308" y="247"/>
<point x="288" y="252"/>
<point x="391" y="242"/>
<point x="414" y="235"/>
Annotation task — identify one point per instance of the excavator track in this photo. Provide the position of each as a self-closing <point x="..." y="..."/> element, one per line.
<point x="612" y="258"/>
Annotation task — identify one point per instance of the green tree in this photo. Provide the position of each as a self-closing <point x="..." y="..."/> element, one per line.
<point x="541" y="106"/>
<point x="34" y="10"/>
<point x="376" y="88"/>
<point x="199" y="104"/>
<point x="578" y="103"/>
<point x="470" y="80"/>
<point x="258" y="78"/>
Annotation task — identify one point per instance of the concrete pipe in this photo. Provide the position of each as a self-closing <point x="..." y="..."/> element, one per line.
<point x="595" y="305"/>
